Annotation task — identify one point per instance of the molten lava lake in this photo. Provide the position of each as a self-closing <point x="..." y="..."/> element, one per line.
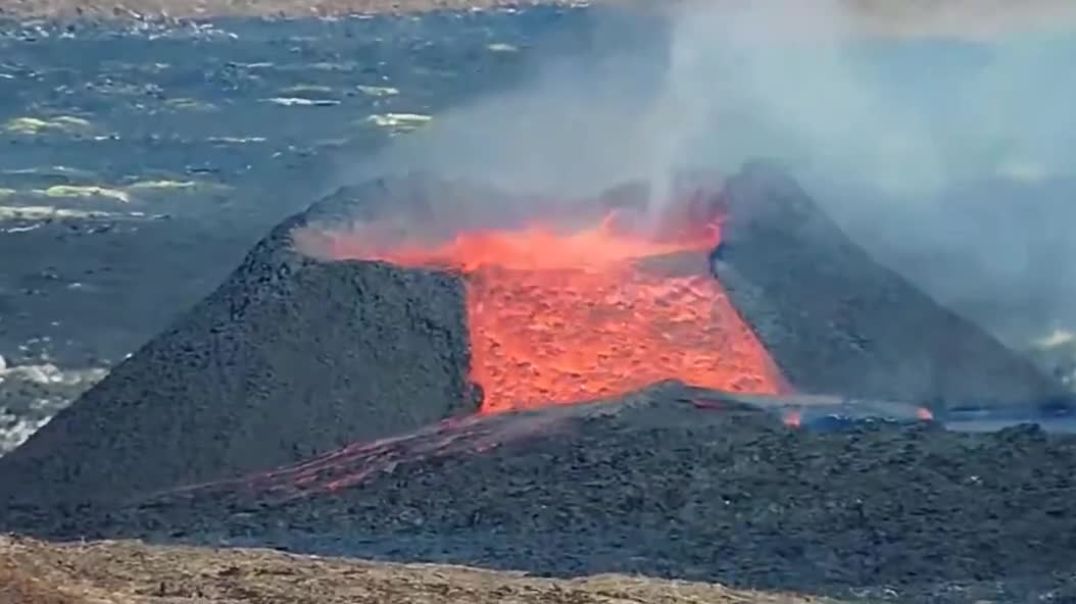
<point x="557" y="317"/>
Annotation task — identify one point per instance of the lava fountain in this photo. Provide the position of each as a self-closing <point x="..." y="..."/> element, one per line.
<point x="558" y="317"/>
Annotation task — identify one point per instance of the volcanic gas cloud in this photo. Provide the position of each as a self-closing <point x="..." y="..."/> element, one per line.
<point x="560" y="316"/>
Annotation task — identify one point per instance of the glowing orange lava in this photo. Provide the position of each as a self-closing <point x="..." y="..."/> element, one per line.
<point x="558" y="318"/>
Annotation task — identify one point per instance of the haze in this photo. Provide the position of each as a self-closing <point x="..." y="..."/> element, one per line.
<point x="939" y="134"/>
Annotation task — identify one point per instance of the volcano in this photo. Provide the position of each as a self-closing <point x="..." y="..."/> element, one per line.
<point x="395" y="304"/>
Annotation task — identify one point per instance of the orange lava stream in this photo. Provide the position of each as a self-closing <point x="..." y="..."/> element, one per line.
<point x="559" y="318"/>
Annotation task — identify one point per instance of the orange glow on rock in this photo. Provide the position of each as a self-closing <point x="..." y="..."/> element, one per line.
<point x="793" y="419"/>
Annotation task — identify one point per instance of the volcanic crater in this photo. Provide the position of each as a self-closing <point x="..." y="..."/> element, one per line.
<point x="559" y="316"/>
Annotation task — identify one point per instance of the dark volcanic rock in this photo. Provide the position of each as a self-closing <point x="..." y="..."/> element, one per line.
<point x="289" y="358"/>
<point x="670" y="481"/>
<point x="836" y="321"/>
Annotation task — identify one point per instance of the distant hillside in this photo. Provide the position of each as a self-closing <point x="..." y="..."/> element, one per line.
<point x="906" y="17"/>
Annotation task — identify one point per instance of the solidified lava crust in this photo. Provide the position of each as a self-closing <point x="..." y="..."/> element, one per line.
<point x="654" y="484"/>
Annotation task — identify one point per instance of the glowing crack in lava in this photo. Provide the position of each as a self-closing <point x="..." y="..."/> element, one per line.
<point x="557" y="318"/>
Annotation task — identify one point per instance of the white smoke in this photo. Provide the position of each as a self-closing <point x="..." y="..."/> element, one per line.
<point x="940" y="134"/>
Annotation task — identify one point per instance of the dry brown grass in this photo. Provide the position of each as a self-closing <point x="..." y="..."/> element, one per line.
<point x="32" y="572"/>
<point x="20" y="586"/>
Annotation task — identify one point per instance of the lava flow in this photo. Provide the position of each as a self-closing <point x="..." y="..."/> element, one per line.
<point x="558" y="318"/>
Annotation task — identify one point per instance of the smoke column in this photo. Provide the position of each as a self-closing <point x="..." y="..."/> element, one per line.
<point x="940" y="134"/>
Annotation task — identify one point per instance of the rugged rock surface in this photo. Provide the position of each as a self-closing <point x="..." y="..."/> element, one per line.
<point x="835" y="320"/>
<point x="289" y="358"/>
<point x="670" y="481"/>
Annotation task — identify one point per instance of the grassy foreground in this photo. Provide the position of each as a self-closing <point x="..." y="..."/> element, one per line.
<point x="33" y="572"/>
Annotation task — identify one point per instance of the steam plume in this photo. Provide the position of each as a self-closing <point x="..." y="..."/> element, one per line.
<point x="939" y="133"/>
